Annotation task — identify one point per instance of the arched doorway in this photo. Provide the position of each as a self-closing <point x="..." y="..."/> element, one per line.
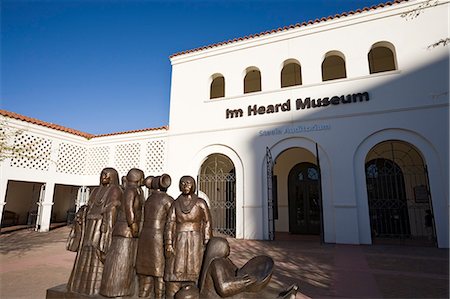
<point x="217" y="182"/>
<point x="303" y="199"/>
<point x="398" y="193"/>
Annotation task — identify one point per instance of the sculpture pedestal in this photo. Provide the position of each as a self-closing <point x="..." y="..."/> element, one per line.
<point x="60" y="292"/>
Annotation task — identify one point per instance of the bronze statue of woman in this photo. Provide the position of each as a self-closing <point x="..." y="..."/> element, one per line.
<point x="94" y="229"/>
<point x="187" y="231"/>
<point x="150" y="261"/>
<point x="119" y="273"/>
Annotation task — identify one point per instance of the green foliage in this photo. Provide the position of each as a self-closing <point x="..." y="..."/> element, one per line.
<point x="9" y="148"/>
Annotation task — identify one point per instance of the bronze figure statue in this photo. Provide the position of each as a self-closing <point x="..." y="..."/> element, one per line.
<point x="76" y="233"/>
<point x="188" y="292"/>
<point x="220" y="278"/>
<point x="150" y="260"/>
<point x="148" y="183"/>
<point x="92" y="233"/>
<point x="167" y="243"/>
<point x="187" y="231"/>
<point x="123" y="184"/>
<point x="119" y="273"/>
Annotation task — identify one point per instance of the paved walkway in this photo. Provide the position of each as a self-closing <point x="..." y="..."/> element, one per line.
<point x="32" y="262"/>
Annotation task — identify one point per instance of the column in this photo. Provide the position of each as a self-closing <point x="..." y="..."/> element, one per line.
<point x="45" y="209"/>
<point x="3" y="187"/>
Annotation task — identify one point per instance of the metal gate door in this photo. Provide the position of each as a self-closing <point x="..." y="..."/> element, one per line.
<point x="218" y="182"/>
<point x="398" y="193"/>
<point x="271" y="199"/>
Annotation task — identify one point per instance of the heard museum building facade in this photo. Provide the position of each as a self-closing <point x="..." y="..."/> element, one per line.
<point x="336" y="127"/>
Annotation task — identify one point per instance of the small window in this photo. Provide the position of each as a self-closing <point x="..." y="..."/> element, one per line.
<point x="381" y="58"/>
<point x="291" y="75"/>
<point x="333" y="67"/>
<point x="217" y="88"/>
<point x="252" y="81"/>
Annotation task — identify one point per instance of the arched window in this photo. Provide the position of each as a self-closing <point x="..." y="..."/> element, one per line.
<point x="382" y="58"/>
<point x="291" y="74"/>
<point x="217" y="89"/>
<point x="333" y="66"/>
<point x="252" y="80"/>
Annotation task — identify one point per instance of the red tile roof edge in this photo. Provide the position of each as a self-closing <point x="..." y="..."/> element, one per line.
<point x="69" y="130"/>
<point x="297" y="25"/>
<point x="133" y="131"/>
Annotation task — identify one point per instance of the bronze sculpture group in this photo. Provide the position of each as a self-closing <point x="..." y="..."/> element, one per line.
<point x="166" y="245"/>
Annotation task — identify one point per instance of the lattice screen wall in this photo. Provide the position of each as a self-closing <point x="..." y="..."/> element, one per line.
<point x="71" y="159"/>
<point x="155" y="157"/>
<point x="127" y="156"/>
<point x="85" y="160"/>
<point x="34" y="152"/>
<point x="97" y="159"/>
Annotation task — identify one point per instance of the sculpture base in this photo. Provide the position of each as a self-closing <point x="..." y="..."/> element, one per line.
<point x="60" y="292"/>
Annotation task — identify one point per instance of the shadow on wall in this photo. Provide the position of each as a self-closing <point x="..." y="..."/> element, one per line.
<point x="347" y="125"/>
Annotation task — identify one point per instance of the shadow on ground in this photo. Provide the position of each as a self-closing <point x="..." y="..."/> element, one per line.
<point x="310" y="268"/>
<point x="25" y="240"/>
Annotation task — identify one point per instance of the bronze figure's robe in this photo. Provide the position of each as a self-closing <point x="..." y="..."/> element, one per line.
<point x="150" y="257"/>
<point x="188" y="229"/>
<point x="119" y="273"/>
<point x="96" y="235"/>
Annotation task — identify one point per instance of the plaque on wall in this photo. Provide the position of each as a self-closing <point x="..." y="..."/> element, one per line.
<point x="421" y="194"/>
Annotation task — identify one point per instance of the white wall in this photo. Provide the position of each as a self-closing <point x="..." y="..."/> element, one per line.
<point x="413" y="99"/>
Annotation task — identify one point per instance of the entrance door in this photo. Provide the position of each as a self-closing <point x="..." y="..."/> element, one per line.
<point x="303" y="192"/>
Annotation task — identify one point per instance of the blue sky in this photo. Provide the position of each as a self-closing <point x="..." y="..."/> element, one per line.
<point x="102" y="66"/>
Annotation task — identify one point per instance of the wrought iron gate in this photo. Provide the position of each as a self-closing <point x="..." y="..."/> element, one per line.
<point x="271" y="204"/>
<point x="218" y="183"/>
<point x="398" y="193"/>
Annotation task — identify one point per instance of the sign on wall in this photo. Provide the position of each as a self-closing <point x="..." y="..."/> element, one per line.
<point x="299" y="104"/>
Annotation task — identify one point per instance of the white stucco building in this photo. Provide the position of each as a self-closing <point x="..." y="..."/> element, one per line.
<point x="337" y="127"/>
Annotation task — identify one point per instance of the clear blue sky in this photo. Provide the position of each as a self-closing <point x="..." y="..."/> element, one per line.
<point x="103" y="66"/>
